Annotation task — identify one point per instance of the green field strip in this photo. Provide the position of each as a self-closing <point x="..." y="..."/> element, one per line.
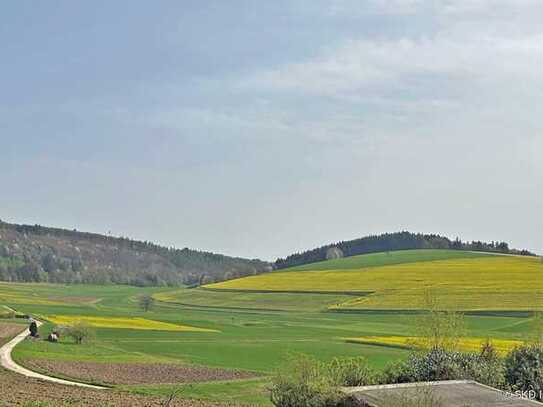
<point x="387" y="258"/>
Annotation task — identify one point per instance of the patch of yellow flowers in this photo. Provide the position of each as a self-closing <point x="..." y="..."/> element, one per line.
<point x="467" y="344"/>
<point x="487" y="283"/>
<point x="125" y="323"/>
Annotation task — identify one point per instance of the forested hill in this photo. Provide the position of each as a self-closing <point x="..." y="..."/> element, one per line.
<point x="390" y="242"/>
<point x="43" y="254"/>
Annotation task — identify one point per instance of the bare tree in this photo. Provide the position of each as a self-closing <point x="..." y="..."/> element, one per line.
<point x="437" y="328"/>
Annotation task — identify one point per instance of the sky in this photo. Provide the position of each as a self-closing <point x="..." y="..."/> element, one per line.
<point x="262" y="128"/>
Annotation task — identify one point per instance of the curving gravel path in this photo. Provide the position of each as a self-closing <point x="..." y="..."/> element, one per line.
<point x="7" y="362"/>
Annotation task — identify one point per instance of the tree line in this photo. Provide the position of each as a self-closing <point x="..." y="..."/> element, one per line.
<point x="390" y="242"/>
<point x="42" y="254"/>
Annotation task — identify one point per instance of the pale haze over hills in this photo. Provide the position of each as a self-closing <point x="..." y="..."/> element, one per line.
<point x="258" y="129"/>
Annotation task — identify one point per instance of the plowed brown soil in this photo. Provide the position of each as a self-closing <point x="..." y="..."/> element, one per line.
<point x="8" y="331"/>
<point x="133" y="373"/>
<point x="16" y="390"/>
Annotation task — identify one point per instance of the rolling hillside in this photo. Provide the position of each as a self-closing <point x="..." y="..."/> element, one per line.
<point x="42" y="254"/>
<point x="391" y="242"/>
<point x="399" y="280"/>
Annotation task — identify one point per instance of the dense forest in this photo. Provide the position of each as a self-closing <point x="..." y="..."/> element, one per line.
<point x="390" y="242"/>
<point x="43" y="254"/>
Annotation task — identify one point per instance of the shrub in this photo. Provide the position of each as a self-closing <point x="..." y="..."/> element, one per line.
<point x="80" y="332"/>
<point x="436" y="364"/>
<point x="439" y="364"/>
<point x="304" y="382"/>
<point x="397" y="372"/>
<point x="524" y="369"/>
<point x="489" y="367"/>
<point x="351" y="372"/>
<point x="7" y="314"/>
<point x="488" y="351"/>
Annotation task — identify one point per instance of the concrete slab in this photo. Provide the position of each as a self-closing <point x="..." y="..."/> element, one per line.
<point x="455" y="393"/>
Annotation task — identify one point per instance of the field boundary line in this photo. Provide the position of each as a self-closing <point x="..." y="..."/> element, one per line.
<point x="7" y="362"/>
<point x="253" y="291"/>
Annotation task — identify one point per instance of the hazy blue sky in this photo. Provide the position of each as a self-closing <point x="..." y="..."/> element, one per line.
<point x="259" y="128"/>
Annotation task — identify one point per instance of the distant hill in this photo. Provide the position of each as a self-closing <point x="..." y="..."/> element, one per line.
<point x="401" y="280"/>
<point x="391" y="242"/>
<point x="44" y="254"/>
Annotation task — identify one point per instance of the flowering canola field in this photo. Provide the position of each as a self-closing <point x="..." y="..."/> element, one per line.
<point x="469" y="344"/>
<point x="492" y="282"/>
<point x="125" y="323"/>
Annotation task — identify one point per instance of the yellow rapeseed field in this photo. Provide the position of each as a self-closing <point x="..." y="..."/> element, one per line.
<point x="124" y="323"/>
<point x="485" y="283"/>
<point x="469" y="344"/>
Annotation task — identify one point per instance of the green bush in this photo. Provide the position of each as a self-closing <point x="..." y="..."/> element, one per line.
<point x="7" y="314"/>
<point x="397" y="372"/>
<point x="487" y="367"/>
<point x="434" y="365"/>
<point x="304" y="382"/>
<point x="80" y="332"/>
<point x="439" y="364"/>
<point x="524" y="369"/>
<point x="351" y="372"/>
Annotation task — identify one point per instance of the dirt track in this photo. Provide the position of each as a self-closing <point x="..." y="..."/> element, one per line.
<point x="134" y="373"/>
<point x="7" y="362"/>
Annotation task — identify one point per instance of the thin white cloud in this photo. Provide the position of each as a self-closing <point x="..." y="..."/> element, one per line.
<point x="362" y="64"/>
<point x="464" y="8"/>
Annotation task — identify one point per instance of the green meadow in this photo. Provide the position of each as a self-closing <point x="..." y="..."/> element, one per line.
<point x="246" y="329"/>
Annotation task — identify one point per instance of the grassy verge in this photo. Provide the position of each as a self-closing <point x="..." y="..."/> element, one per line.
<point x="252" y="391"/>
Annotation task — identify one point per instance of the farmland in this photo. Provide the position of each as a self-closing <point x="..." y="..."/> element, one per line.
<point x="468" y="344"/>
<point x="222" y="342"/>
<point x="124" y="323"/>
<point x="494" y="282"/>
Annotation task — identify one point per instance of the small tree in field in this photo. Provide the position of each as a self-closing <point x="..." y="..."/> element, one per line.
<point x="80" y="332"/>
<point x="439" y="329"/>
<point x="146" y="302"/>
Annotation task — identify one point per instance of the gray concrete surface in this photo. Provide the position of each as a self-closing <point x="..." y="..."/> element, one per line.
<point x="449" y="394"/>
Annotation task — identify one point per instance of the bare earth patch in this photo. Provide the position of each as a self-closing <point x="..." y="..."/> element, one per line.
<point x="8" y="331"/>
<point x="16" y="389"/>
<point x="134" y="373"/>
